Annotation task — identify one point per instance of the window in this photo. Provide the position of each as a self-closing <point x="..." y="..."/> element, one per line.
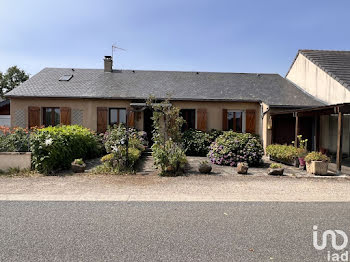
<point x="235" y="121"/>
<point x="117" y="116"/>
<point x="65" y="78"/>
<point x="51" y="116"/>
<point x="190" y="117"/>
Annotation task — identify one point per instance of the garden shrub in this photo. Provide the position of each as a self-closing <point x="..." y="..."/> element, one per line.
<point x="231" y="148"/>
<point x="282" y="152"/>
<point x="78" y="161"/>
<point x="275" y="165"/>
<point x="167" y="149"/>
<point x="196" y="142"/>
<point x="108" y="159"/>
<point x="116" y="135"/>
<point x="170" y="157"/>
<point x="14" y="139"/>
<point x="115" y="142"/>
<point x="214" y="134"/>
<point x="56" y="147"/>
<point x="316" y="156"/>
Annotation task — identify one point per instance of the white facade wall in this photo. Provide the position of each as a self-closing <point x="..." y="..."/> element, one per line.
<point x="316" y="82"/>
<point x="313" y="80"/>
<point x="329" y="132"/>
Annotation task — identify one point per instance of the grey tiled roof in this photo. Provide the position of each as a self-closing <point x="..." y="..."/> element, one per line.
<point x="334" y="63"/>
<point x="95" y="83"/>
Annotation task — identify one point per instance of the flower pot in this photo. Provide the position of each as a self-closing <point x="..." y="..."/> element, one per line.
<point x="317" y="167"/>
<point x="242" y="168"/>
<point x="78" y="168"/>
<point x="204" y="168"/>
<point x="275" y="171"/>
<point x="301" y="161"/>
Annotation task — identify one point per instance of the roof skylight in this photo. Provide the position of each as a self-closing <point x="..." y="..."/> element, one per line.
<point x="65" y="77"/>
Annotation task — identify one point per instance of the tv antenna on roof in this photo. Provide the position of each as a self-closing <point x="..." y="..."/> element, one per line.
<point x="116" y="47"/>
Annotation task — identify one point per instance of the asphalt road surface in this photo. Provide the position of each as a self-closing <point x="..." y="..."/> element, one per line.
<point x="166" y="231"/>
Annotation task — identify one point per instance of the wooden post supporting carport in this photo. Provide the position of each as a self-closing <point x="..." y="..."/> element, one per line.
<point x="317" y="132"/>
<point x="296" y="129"/>
<point x="339" y="141"/>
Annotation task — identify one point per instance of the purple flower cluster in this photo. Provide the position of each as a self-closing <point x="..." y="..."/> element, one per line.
<point x="232" y="148"/>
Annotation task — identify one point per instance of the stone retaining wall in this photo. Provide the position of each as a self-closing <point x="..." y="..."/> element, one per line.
<point x="20" y="160"/>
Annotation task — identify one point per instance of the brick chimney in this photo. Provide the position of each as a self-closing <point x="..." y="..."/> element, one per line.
<point x="108" y="63"/>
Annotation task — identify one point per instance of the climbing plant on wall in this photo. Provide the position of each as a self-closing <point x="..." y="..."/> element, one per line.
<point x="167" y="151"/>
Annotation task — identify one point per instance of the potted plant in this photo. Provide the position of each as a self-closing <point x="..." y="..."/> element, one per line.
<point x="301" y="150"/>
<point x="242" y="168"/>
<point x="204" y="167"/>
<point x="276" y="169"/>
<point x="317" y="163"/>
<point x="301" y="157"/>
<point x="78" y="166"/>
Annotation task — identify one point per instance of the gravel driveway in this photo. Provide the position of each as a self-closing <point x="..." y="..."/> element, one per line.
<point x="222" y="185"/>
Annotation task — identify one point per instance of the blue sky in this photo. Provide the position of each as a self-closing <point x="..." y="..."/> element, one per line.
<point x="188" y="35"/>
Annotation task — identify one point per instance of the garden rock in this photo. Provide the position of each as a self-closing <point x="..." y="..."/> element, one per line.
<point x="204" y="168"/>
<point x="78" y="168"/>
<point x="242" y="168"/>
<point x="275" y="171"/>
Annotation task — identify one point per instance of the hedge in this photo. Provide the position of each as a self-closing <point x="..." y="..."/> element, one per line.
<point x="56" y="147"/>
<point x="282" y="152"/>
<point x="197" y="142"/>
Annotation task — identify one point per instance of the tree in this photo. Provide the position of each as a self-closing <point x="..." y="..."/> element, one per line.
<point x="12" y="78"/>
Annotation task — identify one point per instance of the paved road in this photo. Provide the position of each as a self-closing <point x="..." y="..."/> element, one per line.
<point x="165" y="231"/>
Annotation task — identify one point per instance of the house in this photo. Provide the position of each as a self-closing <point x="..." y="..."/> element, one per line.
<point x="5" y="119"/>
<point x="325" y="75"/>
<point x="96" y="98"/>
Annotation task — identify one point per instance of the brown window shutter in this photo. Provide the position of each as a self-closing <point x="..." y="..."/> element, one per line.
<point x="224" y="120"/>
<point x="250" y="121"/>
<point x="33" y="116"/>
<point x="202" y="119"/>
<point x="131" y="118"/>
<point x="65" y="115"/>
<point x="101" y="119"/>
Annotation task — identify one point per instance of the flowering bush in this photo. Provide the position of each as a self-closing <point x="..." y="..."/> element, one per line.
<point x="116" y="136"/>
<point x="196" y="142"/>
<point x="56" y="147"/>
<point x="14" y="139"/>
<point x="116" y="141"/>
<point x="170" y="157"/>
<point x="282" y="152"/>
<point x="231" y="148"/>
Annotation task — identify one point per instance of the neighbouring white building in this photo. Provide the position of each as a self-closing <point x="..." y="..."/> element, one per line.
<point x="325" y="75"/>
